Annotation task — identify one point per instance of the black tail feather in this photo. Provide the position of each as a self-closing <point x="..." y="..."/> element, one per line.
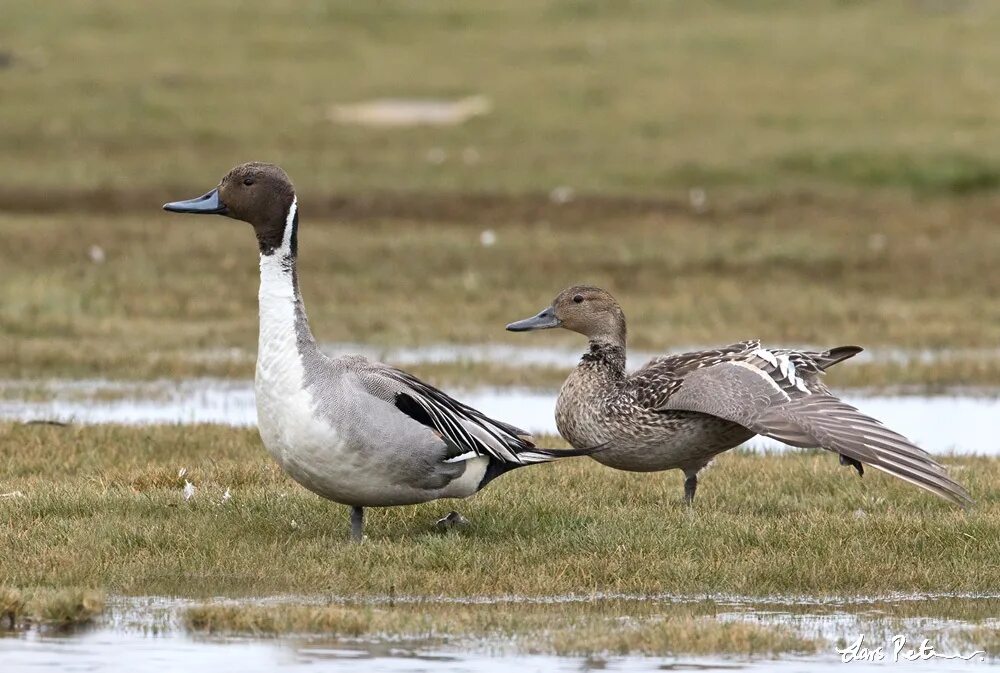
<point x="499" y="467"/>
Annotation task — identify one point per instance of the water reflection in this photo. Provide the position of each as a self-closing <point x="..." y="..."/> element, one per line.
<point x="568" y="356"/>
<point x="125" y="641"/>
<point x="959" y="423"/>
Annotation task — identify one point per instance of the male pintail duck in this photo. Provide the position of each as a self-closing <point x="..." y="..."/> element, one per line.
<point x="357" y="432"/>
<point x="679" y="411"/>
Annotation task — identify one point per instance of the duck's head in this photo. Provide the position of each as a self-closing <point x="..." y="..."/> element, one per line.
<point x="258" y="193"/>
<point x="589" y="310"/>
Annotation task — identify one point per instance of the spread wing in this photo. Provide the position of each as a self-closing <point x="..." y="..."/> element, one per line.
<point x="767" y="394"/>
<point x="653" y="384"/>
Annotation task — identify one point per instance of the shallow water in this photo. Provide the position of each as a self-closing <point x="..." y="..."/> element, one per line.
<point x="566" y="357"/>
<point x="144" y="634"/>
<point x="963" y="423"/>
<point x="127" y="652"/>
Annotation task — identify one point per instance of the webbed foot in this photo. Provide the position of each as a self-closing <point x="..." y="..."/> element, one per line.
<point x="451" y="520"/>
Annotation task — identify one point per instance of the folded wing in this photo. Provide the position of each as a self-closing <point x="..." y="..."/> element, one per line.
<point x="467" y="431"/>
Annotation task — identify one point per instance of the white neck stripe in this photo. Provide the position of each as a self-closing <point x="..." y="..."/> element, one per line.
<point x="286" y="239"/>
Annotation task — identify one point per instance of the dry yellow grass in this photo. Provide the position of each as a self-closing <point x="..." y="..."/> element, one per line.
<point x="605" y="628"/>
<point x="624" y="97"/>
<point x="61" y="608"/>
<point x="174" y="293"/>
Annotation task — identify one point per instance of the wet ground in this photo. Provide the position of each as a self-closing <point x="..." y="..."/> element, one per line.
<point x="144" y="634"/>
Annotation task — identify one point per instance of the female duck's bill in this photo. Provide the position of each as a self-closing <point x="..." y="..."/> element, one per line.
<point x="546" y="319"/>
<point x="207" y="204"/>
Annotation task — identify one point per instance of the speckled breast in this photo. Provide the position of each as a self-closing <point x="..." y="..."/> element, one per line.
<point x="642" y="440"/>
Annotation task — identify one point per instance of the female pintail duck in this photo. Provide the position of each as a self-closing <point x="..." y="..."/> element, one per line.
<point x="356" y="432"/>
<point x="679" y="411"/>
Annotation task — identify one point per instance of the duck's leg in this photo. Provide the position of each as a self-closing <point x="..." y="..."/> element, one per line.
<point x="851" y="462"/>
<point x="357" y="523"/>
<point x="690" y="486"/>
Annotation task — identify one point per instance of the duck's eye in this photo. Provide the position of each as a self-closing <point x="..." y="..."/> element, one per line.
<point x="247" y="181"/>
<point x="578" y="298"/>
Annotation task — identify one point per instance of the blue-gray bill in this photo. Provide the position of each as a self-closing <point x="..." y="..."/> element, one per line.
<point x="545" y="320"/>
<point x="207" y="204"/>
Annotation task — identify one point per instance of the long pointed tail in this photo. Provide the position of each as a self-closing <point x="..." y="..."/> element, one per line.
<point x="538" y="455"/>
<point x="532" y="456"/>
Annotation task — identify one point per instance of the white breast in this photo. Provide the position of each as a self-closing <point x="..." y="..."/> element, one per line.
<point x="284" y="406"/>
<point x="307" y="447"/>
<point x="331" y="446"/>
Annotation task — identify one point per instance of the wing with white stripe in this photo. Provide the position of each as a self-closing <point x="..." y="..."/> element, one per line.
<point x="804" y="416"/>
<point x="468" y="432"/>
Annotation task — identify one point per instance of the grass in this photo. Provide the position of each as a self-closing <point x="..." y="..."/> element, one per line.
<point x="103" y="506"/>
<point x="175" y="294"/>
<point x="62" y="608"/>
<point x="678" y="635"/>
<point x="847" y="153"/>
<point x="623" y="97"/>
<point x="816" y="172"/>
<point x="617" y="628"/>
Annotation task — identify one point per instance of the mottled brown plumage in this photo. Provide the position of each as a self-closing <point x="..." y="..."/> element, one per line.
<point x="679" y="411"/>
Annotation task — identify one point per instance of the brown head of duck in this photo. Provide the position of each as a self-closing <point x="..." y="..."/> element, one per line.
<point x="585" y="309"/>
<point x="258" y="193"/>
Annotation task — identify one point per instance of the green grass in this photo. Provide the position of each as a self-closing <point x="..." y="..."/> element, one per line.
<point x="956" y="173"/>
<point x="103" y="507"/>
<point x="625" y="97"/>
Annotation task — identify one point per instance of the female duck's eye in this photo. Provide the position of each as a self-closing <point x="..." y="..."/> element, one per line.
<point x="247" y="181"/>
<point x="578" y="298"/>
